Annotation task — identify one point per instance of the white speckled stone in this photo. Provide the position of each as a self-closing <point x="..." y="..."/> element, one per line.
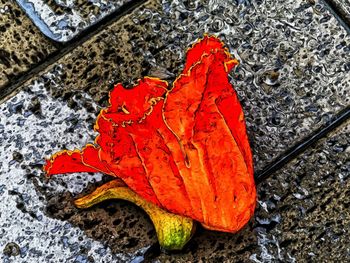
<point x="62" y="20"/>
<point x="22" y="217"/>
<point x="342" y="7"/>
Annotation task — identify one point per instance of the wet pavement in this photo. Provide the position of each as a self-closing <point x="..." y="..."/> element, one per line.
<point x="63" y="20"/>
<point x="21" y="45"/>
<point x="293" y="80"/>
<point x="342" y="8"/>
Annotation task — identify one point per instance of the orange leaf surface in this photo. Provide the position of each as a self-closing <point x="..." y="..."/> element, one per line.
<point x="184" y="148"/>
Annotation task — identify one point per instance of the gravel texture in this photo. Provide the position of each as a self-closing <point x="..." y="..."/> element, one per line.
<point x="302" y="211"/>
<point x="22" y="45"/>
<point x="34" y="126"/>
<point x="343" y="8"/>
<point x="62" y="20"/>
<point x="294" y="72"/>
<point x="294" y="76"/>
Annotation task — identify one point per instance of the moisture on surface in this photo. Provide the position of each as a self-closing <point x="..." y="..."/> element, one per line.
<point x="294" y="61"/>
<point x="343" y="8"/>
<point x="38" y="222"/>
<point x="62" y="20"/>
<point x="304" y="203"/>
<point x="292" y="79"/>
<point x="21" y="44"/>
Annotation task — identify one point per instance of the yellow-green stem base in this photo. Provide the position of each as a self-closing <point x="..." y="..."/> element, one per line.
<point x="173" y="231"/>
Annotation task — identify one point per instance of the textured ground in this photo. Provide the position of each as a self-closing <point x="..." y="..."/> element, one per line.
<point x="62" y="20"/>
<point x="21" y="46"/>
<point x="342" y="7"/>
<point x="289" y="83"/>
<point x="292" y="80"/>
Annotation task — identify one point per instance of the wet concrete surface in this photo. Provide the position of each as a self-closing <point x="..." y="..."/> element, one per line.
<point x="37" y="217"/>
<point x="302" y="211"/>
<point x="294" y="72"/>
<point x="342" y="7"/>
<point x="22" y="45"/>
<point x="63" y="20"/>
<point x="294" y="76"/>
